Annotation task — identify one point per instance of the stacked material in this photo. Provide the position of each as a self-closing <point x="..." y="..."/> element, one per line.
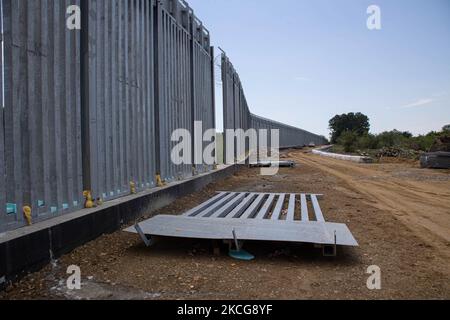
<point x="279" y="164"/>
<point x="435" y="160"/>
<point x="393" y="152"/>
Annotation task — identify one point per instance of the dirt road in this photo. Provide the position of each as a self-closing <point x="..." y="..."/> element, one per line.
<point x="398" y="214"/>
<point x="419" y="198"/>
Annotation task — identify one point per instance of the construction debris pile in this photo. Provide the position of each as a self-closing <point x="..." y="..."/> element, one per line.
<point x="396" y="152"/>
<point x="442" y="143"/>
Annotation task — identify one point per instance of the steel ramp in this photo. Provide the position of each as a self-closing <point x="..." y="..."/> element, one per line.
<point x="252" y="216"/>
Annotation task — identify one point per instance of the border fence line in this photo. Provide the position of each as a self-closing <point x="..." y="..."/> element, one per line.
<point x="96" y="109"/>
<point x="238" y="116"/>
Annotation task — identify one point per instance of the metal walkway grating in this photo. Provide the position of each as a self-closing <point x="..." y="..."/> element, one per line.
<point x="273" y="206"/>
<point x="252" y="216"/>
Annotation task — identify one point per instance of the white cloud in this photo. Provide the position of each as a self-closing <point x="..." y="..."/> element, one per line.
<point x="419" y="103"/>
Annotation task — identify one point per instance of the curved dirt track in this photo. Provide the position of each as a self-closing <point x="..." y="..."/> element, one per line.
<point x="418" y="198"/>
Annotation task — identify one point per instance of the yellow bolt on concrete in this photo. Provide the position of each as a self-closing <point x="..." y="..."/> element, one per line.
<point x="159" y="182"/>
<point x="132" y="187"/>
<point x="27" y="214"/>
<point x="89" y="203"/>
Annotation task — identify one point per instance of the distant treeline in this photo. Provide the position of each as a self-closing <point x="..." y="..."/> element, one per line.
<point x="351" y="131"/>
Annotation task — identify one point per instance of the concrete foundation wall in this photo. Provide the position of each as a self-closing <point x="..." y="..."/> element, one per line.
<point x="29" y="249"/>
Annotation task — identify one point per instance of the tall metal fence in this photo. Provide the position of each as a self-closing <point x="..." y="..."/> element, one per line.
<point x="118" y="88"/>
<point x="238" y="116"/>
<point x="40" y="154"/>
<point x="290" y="136"/>
<point x="100" y="108"/>
<point x="94" y="109"/>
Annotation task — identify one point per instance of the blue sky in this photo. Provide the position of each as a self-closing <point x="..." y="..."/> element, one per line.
<point x="302" y="62"/>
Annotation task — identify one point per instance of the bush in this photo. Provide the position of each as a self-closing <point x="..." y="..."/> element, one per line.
<point x="348" y="140"/>
<point x="400" y="142"/>
<point x="423" y="143"/>
<point x="393" y="138"/>
<point x="367" y="141"/>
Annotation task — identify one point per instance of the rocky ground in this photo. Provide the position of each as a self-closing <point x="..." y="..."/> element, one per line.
<point x="399" y="214"/>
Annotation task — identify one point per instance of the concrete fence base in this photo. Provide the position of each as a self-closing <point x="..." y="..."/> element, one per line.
<point x="324" y="152"/>
<point x="31" y="248"/>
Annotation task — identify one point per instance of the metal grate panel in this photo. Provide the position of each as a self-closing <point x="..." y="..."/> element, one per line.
<point x="253" y="216"/>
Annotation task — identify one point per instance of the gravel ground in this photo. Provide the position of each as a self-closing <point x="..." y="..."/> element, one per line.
<point x="119" y="266"/>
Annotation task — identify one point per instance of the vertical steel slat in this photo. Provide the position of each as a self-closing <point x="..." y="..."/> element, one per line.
<point x="131" y="141"/>
<point x="100" y="99"/>
<point x="304" y="207"/>
<point x="184" y="104"/>
<point x="317" y="210"/>
<point x="3" y="212"/>
<point x="131" y="91"/>
<point x="178" y="121"/>
<point x="113" y="24"/>
<point x="23" y="100"/>
<point x="127" y="141"/>
<point x="90" y="163"/>
<point x="50" y="116"/>
<point x="139" y="94"/>
<point x="136" y="95"/>
<point x="14" y="108"/>
<point x="167" y="145"/>
<point x="7" y="112"/>
<point x="168" y="103"/>
<point x="187" y="90"/>
<point x="150" y="95"/>
<point x="78" y="169"/>
<point x="107" y="110"/>
<point x="121" y="87"/>
<point x="279" y="206"/>
<point x="68" y="179"/>
<point x="59" y="54"/>
<point x="167" y="85"/>
<point x="31" y="151"/>
<point x="144" y="105"/>
<point x="172" y="102"/>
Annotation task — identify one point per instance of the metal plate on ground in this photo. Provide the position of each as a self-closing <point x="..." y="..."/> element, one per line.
<point x="253" y="216"/>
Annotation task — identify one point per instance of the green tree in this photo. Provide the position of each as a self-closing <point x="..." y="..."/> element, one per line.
<point x="348" y="140"/>
<point x="357" y="123"/>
